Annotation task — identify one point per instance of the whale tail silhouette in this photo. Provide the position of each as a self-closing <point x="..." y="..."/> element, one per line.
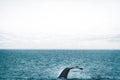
<point x="65" y="72"/>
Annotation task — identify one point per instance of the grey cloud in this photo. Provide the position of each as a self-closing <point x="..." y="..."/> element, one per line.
<point x="110" y="37"/>
<point x="6" y="37"/>
<point x="115" y="38"/>
<point x="3" y="36"/>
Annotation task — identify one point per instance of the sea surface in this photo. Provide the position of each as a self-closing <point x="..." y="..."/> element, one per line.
<point x="48" y="64"/>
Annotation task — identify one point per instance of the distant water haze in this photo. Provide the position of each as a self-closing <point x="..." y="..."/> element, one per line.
<point x="60" y="24"/>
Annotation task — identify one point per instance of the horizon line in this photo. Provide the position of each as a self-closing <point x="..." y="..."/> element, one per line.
<point x="59" y="49"/>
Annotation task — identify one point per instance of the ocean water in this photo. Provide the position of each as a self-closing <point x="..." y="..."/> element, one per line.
<point x="48" y="64"/>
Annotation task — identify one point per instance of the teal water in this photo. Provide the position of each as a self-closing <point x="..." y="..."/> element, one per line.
<point x="48" y="64"/>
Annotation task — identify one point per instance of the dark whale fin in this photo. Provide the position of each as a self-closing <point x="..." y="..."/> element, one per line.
<point x="65" y="72"/>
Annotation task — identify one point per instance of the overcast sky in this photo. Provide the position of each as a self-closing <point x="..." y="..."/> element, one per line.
<point x="60" y="24"/>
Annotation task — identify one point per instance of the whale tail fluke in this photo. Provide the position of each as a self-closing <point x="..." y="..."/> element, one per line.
<point x="65" y="72"/>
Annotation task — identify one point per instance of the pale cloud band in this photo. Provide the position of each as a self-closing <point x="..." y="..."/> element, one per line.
<point x="57" y="41"/>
